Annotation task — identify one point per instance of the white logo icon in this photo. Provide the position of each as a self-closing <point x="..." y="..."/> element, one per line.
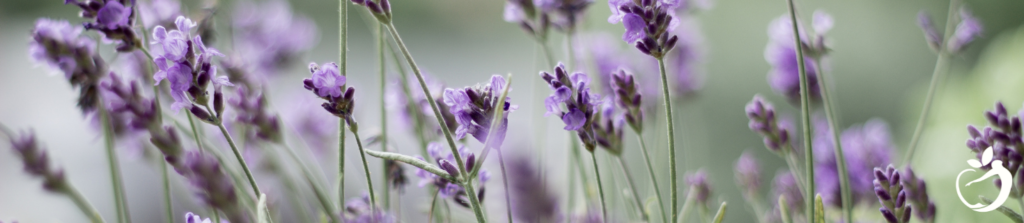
<point x="1005" y="178"/>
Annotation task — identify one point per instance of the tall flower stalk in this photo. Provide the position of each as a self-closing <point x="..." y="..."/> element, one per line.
<point x="628" y="98"/>
<point x="805" y="114"/>
<point x="343" y="60"/>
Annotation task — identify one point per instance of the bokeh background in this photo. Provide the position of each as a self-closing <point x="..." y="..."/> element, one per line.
<point x="880" y="67"/>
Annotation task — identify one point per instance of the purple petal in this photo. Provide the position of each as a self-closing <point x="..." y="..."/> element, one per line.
<point x="574" y="120"/>
<point x="634" y="27"/>
<point x="822" y="22"/>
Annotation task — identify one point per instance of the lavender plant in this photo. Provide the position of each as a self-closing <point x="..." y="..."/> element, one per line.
<point x="37" y="163"/>
<point x="889" y="190"/>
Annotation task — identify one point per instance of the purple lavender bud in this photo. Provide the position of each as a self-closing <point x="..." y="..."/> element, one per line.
<point x="886" y="184"/>
<point x="748" y="174"/>
<point x="785" y="184"/>
<point x="448" y="167"/>
<point x="202" y="114"/>
<point x="969" y="29"/>
<point x="358" y="210"/>
<point x="917" y="193"/>
<point x="932" y="36"/>
<point x="699" y="181"/>
<point x="37" y="162"/>
<point x="889" y="216"/>
<point x="216" y="188"/>
<point x="763" y="121"/>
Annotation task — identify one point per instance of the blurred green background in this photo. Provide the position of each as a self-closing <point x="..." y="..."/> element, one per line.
<point x="880" y="67"/>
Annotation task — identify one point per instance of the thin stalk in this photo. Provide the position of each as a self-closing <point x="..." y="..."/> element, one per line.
<point x="784" y="210"/>
<point x="572" y="180"/>
<point x="195" y="132"/>
<point x="600" y="188"/>
<point x="216" y="215"/>
<point x="690" y="196"/>
<point x="343" y="61"/>
<point x="238" y="156"/>
<point x="671" y="139"/>
<point x="167" y="193"/>
<point x="83" y="204"/>
<point x="805" y="113"/>
<point x="703" y="213"/>
<point x="633" y="188"/>
<point x="654" y="178"/>
<point x="115" y="168"/>
<point x="833" y="124"/>
<point x="941" y="66"/>
<point x="794" y="168"/>
<point x="474" y="202"/>
<point x="383" y="111"/>
<point x="504" y="180"/>
<point x="721" y="213"/>
<point x="547" y="51"/>
<point x="366" y="168"/>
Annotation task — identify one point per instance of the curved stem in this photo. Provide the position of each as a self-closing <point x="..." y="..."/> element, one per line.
<point x="938" y="74"/>
<point x="167" y="193"/>
<point x="805" y="113"/>
<point x="600" y="187"/>
<point x="83" y="204"/>
<point x="115" y="168"/>
<point x="504" y="180"/>
<point x="654" y="178"/>
<point x="238" y="156"/>
<point x="833" y="125"/>
<point x="632" y="185"/>
<point x="474" y="202"/>
<point x="366" y="168"/>
<point x="671" y="133"/>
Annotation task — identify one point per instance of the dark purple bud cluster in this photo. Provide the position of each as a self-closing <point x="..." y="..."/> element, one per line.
<point x="474" y="108"/>
<point x="627" y="97"/>
<point x="381" y="9"/>
<point x="698" y="181"/>
<point x="763" y="120"/>
<point x="580" y="103"/>
<point x="327" y="83"/>
<point x="396" y="175"/>
<point x="142" y="114"/>
<point x="648" y="24"/>
<point x="748" y="174"/>
<point x="251" y="108"/>
<point x="608" y="128"/>
<point x="889" y="189"/>
<point x="917" y="192"/>
<point x="1003" y="136"/>
<point x="532" y="198"/>
<point x="216" y="188"/>
<point x="358" y="210"/>
<point x="186" y="64"/>
<point x="113" y="18"/>
<point x="63" y="47"/>
<point x="966" y="32"/>
<point x="37" y="162"/>
<point x="931" y="35"/>
<point x="447" y="188"/>
<point x="534" y="19"/>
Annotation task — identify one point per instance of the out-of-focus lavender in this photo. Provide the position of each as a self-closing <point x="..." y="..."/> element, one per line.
<point x="359" y="210"/>
<point x="446" y="188"/>
<point x="405" y="97"/>
<point x="251" y="110"/>
<point x="969" y="29"/>
<point x="748" y="175"/>
<point x="648" y="24"/>
<point x="61" y="46"/>
<point x="36" y="162"/>
<point x="864" y="146"/>
<point x="159" y="12"/>
<point x="784" y="76"/>
<point x="216" y="188"/>
<point x="194" y="218"/>
<point x="786" y="184"/>
<point x="763" y="120"/>
<point x="268" y="37"/>
<point x="532" y="198"/>
<point x="917" y="193"/>
<point x="684" y="63"/>
<point x="698" y="181"/>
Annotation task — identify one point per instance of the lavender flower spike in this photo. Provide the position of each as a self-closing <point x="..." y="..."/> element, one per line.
<point x="699" y="181"/>
<point x="216" y="188"/>
<point x="474" y="108"/>
<point x="62" y="47"/>
<point x="532" y="199"/>
<point x="917" y="193"/>
<point x="326" y="83"/>
<point x="358" y="210"/>
<point x="581" y="104"/>
<point x="627" y="96"/>
<point x="931" y="35"/>
<point x="889" y="189"/>
<point x="748" y="174"/>
<point x="37" y="163"/>
<point x="648" y="24"/>
<point x="763" y="120"/>
<point x="970" y="28"/>
<point x="784" y="77"/>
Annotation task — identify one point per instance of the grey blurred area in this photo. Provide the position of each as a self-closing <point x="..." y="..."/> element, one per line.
<point x="880" y="68"/>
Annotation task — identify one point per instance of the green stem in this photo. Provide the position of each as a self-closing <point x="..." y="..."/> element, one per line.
<point x="794" y="168"/>
<point x="238" y="156"/>
<point x="504" y="180"/>
<point x="83" y="204"/>
<point x="833" y="125"/>
<point x="690" y="196"/>
<point x="805" y="113"/>
<point x="671" y="133"/>
<point x="115" y="168"/>
<point x="600" y="187"/>
<point x="383" y="112"/>
<point x="654" y="178"/>
<point x="474" y="202"/>
<point x="938" y="74"/>
<point x="721" y="213"/>
<point x="167" y="192"/>
<point x="366" y="168"/>
<point x="632" y="185"/>
<point x="343" y="61"/>
<point x="195" y="132"/>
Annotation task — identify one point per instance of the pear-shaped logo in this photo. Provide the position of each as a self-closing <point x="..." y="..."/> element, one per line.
<point x="1005" y="178"/>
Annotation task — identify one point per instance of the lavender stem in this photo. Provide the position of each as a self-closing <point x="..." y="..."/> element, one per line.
<point x="343" y="60"/>
<point x="633" y="188"/>
<point x="84" y="204"/>
<point x="195" y="133"/>
<point x="167" y="192"/>
<point x="383" y="110"/>
<point x="784" y="210"/>
<point x="366" y="167"/>
<point x="690" y="196"/>
<point x="721" y="213"/>
<point x="654" y="178"/>
<point x="938" y="74"/>
<point x="474" y="202"/>
<point x="238" y="156"/>
<point x="600" y="187"/>
<point x="805" y="113"/>
<point x="504" y="180"/>
<point x="321" y="195"/>
<point x="115" y="168"/>
<point x="833" y="125"/>
<point x="671" y="139"/>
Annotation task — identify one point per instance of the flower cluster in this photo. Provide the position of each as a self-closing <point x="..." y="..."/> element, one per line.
<point x="891" y="195"/>
<point x="217" y="190"/>
<point x="474" y="108"/>
<point x="608" y="128"/>
<point x="628" y="98"/>
<point x="359" y="210"/>
<point x="966" y="31"/>
<point x="381" y="9"/>
<point x="1003" y="136"/>
<point x="186" y="63"/>
<point x="37" y="163"/>
<point x="917" y="193"/>
<point x="780" y="53"/>
<point x="763" y="120"/>
<point x="532" y="198"/>
<point x="126" y="100"/>
<point x="748" y="174"/>
<point x="446" y="188"/>
<point x="327" y="84"/>
<point x="864" y="147"/>
<point x="251" y="108"/>
<point x="580" y="104"/>
<point x="786" y="184"/>
<point x="525" y="13"/>
<point x="113" y="18"/>
<point x="259" y="39"/>
<point x="60" y="45"/>
<point x="648" y="24"/>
